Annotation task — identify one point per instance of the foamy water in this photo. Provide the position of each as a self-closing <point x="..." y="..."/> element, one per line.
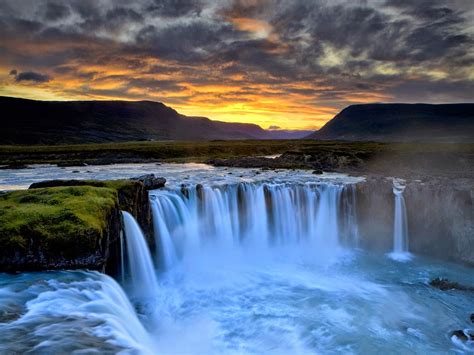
<point x="254" y="263"/>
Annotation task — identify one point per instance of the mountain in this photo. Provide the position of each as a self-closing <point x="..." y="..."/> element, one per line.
<point x="401" y="122"/>
<point x="288" y="134"/>
<point x="68" y="122"/>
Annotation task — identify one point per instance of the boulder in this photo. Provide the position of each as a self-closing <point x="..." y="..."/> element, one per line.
<point x="150" y="181"/>
<point x="463" y="335"/>
<point x="445" y="285"/>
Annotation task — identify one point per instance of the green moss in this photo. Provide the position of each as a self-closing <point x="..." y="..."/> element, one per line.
<point x="126" y="189"/>
<point x="65" y="221"/>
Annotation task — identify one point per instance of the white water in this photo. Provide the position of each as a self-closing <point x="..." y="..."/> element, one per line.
<point x="257" y="218"/>
<point x="257" y="268"/>
<point x="400" y="227"/>
<point x="142" y="273"/>
<point x="63" y="312"/>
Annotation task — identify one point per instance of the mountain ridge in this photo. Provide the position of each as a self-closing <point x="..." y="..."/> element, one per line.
<point x="28" y="121"/>
<point x="449" y="123"/>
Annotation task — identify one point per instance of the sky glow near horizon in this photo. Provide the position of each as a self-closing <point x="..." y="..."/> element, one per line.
<point x="291" y="64"/>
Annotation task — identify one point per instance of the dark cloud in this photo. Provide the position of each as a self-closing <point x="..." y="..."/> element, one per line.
<point x="175" y="8"/>
<point x="315" y="50"/>
<point x="32" y="76"/>
<point x="56" y="11"/>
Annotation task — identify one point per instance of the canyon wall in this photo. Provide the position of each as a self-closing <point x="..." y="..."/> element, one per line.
<point x="440" y="216"/>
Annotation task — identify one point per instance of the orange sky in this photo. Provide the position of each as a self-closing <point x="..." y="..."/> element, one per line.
<point x="292" y="65"/>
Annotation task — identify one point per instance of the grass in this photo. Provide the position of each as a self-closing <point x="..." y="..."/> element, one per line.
<point x="66" y="221"/>
<point x="178" y="151"/>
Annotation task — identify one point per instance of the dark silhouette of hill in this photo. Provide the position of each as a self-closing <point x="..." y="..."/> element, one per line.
<point x="68" y="122"/>
<point x="401" y="122"/>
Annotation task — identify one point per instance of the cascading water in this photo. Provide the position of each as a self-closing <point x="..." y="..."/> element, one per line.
<point x="68" y="312"/>
<point x="246" y="266"/>
<point x="400" y="227"/>
<point x="256" y="216"/>
<point x="142" y="273"/>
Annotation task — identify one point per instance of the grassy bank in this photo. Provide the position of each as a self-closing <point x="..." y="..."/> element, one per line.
<point x="66" y="221"/>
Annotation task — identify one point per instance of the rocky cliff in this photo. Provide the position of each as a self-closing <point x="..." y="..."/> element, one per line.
<point x="71" y="224"/>
<point x="440" y="215"/>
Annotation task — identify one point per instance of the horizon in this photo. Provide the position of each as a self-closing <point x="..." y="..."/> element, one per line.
<point x="286" y="65"/>
<point x="269" y="128"/>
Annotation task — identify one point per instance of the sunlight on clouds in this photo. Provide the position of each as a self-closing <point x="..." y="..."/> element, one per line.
<point x="257" y="28"/>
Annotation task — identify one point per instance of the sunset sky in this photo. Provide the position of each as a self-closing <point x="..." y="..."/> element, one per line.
<point x="287" y="64"/>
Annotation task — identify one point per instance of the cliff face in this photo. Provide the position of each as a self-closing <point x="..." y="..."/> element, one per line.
<point x="57" y="228"/>
<point x="440" y="215"/>
<point x="71" y="224"/>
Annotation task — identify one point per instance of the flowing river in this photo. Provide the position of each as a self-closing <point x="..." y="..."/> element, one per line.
<point x="249" y="263"/>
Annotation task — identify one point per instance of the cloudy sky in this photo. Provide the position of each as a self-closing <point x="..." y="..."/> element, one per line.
<point x="286" y="63"/>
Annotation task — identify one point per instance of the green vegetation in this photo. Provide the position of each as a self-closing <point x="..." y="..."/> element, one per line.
<point x="174" y="151"/>
<point x="128" y="190"/>
<point x="62" y="221"/>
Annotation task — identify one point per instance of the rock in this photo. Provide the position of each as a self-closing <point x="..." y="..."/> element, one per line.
<point x="200" y="191"/>
<point x="185" y="190"/>
<point x="69" y="227"/>
<point x="317" y="172"/>
<point x="67" y="164"/>
<point x="286" y="161"/>
<point x="445" y="285"/>
<point x="150" y="181"/>
<point x="472" y="317"/>
<point x="75" y="171"/>
<point x="463" y="335"/>
<point x="15" y="166"/>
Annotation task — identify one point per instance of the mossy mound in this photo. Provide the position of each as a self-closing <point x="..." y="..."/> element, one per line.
<point x="126" y="189"/>
<point x="56" y="227"/>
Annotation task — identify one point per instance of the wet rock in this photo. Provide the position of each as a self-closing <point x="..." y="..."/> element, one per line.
<point x="150" y="181"/>
<point x="445" y="285"/>
<point x="75" y="171"/>
<point x="200" y="191"/>
<point x="463" y="335"/>
<point x="472" y="317"/>
<point x="317" y="172"/>
<point x="185" y="190"/>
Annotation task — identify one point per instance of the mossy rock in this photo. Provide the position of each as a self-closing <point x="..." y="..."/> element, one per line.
<point x="55" y="225"/>
<point x="127" y="190"/>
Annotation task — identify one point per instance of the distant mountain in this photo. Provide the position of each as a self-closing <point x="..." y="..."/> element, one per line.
<point x="68" y="122"/>
<point x="288" y="134"/>
<point x="401" y="122"/>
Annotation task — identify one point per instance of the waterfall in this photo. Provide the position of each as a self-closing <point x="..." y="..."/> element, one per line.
<point x="400" y="227"/>
<point x="251" y="215"/>
<point x="142" y="273"/>
<point x="164" y="244"/>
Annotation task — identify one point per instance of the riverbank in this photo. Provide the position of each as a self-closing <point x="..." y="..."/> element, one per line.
<point x="389" y="159"/>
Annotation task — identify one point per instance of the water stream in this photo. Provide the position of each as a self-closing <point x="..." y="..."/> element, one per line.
<point x="400" y="227"/>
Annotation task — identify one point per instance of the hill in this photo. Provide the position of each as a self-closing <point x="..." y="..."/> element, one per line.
<point x="401" y="122"/>
<point x="69" y="122"/>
